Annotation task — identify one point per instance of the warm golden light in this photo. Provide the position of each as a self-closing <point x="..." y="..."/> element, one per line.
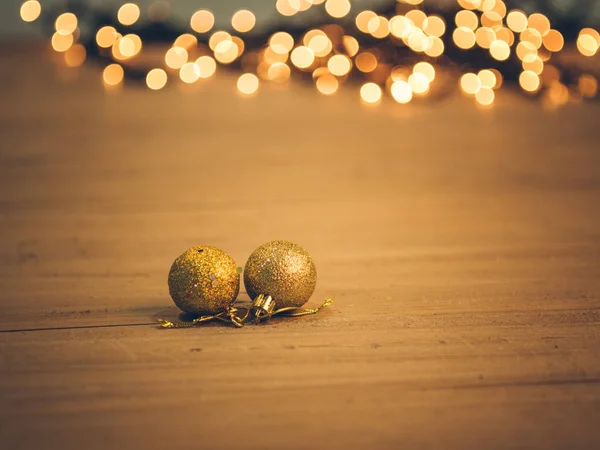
<point x="65" y="23"/>
<point x="176" y="57"/>
<point x="418" y="41"/>
<point x="350" y="45"/>
<point x="487" y="78"/>
<point x="302" y="57"/>
<point x="279" y="72"/>
<point x="588" y="86"/>
<point x="113" y="75"/>
<point x="418" y="83"/>
<point x="30" y="10"/>
<point x="156" y="79"/>
<point x="189" y="73"/>
<point x="226" y="52"/>
<point x="470" y="83"/>
<point x="128" y="14"/>
<point x="337" y="8"/>
<point x="327" y="84"/>
<point x="588" y="42"/>
<point x="202" y="21"/>
<point x="491" y="19"/>
<point x="287" y="7"/>
<point x="485" y="96"/>
<point x="417" y="17"/>
<point x="320" y="45"/>
<point x="467" y="19"/>
<point x="401" y="91"/>
<point x="426" y="69"/>
<point x="529" y="81"/>
<point x="130" y="45"/>
<point x="401" y="27"/>
<point x="526" y="50"/>
<point x="500" y="50"/>
<point x="366" y="62"/>
<point x="436" y="47"/>
<point x="207" y="66"/>
<point x="517" y="21"/>
<point x="464" y="38"/>
<point x="187" y="41"/>
<point x="536" y="65"/>
<point x="106" y="37"/>
<point x="243" y="21"/>
<point x="533" y="36"/>
<point x="554" y="41"/>
<point x="370" y="93"/>
<point x="217" y="37"/>
<point x="75" y="56"/>
<point x="247" y="84"/>
<point x="434" y="26"/>
<point x="339" y="65"/>
<point x="485" y="36"/>
<point x="379" y="27"/>
<point x="362" y="20"/>
<point x="61" y="42"/>
<point x="281" y="42"/>
<point x="470" y="4"/>
<point x="539" y="22"/>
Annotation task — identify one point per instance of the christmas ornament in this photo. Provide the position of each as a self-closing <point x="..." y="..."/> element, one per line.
<point x="204" y="280"/>
<point x="280" y="277"/>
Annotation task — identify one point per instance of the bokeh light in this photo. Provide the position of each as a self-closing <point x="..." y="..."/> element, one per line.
<point x="156" y="79"/>
<point x="370" y="93"/>
<point x="401" y="91"/>
<point x="113" y="75"/>
<point x="30" y="10"/>
<point x="243" y="21"/>
<point x="61" y="42"/>
<point x="327" y="84"/>
<point x="207" y="66"/>
<point x="464" y="38"/>
<point x="247" y="83"/>
<point x="75" y="56"/>
<point x="202" y="21"/>
<point x="128" y="14"/>
<point x="339" y="65"/>
<point x="106" y="37"/>
<point x="366" y="62"/>
<point x="66" y="23"/>
<point x="470" y="83"/>
<point x="485" y="96"/>
<point x="529" y="81"/>
<point x="337" y="8"/>
<point x="189" y="73"/>
<point x="176" y="57"/>
<point x="302" y="57"/>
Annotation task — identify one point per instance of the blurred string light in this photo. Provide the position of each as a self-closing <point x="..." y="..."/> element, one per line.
<point x="396" y="52"/>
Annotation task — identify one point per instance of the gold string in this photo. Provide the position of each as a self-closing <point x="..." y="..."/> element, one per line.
<point x="227" y="316"/>
<point x="264" y="308"/>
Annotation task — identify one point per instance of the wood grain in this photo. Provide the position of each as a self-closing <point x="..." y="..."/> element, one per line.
<point x="462" y="247"/>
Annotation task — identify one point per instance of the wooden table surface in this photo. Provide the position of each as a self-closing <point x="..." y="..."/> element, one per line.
<point x="462" y="246"/>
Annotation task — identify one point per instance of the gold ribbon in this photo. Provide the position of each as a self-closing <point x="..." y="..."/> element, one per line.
<point x="263" y="307"/>
<point x="228" y="316"/>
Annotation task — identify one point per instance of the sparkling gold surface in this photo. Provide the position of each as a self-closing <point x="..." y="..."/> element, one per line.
<point x="283" y="270"/>
<point x="204" y="280"/>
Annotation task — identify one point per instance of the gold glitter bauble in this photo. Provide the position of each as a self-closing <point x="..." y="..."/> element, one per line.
<point x="204" y="280"/>
<point x="283" y="270"/>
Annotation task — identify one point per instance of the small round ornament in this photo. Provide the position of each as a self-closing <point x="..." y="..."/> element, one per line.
<point x="281" y="270"/>
<point x="204" y="280"/>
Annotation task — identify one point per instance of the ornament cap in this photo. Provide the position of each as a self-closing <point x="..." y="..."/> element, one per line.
<point x="263" y="306"/>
